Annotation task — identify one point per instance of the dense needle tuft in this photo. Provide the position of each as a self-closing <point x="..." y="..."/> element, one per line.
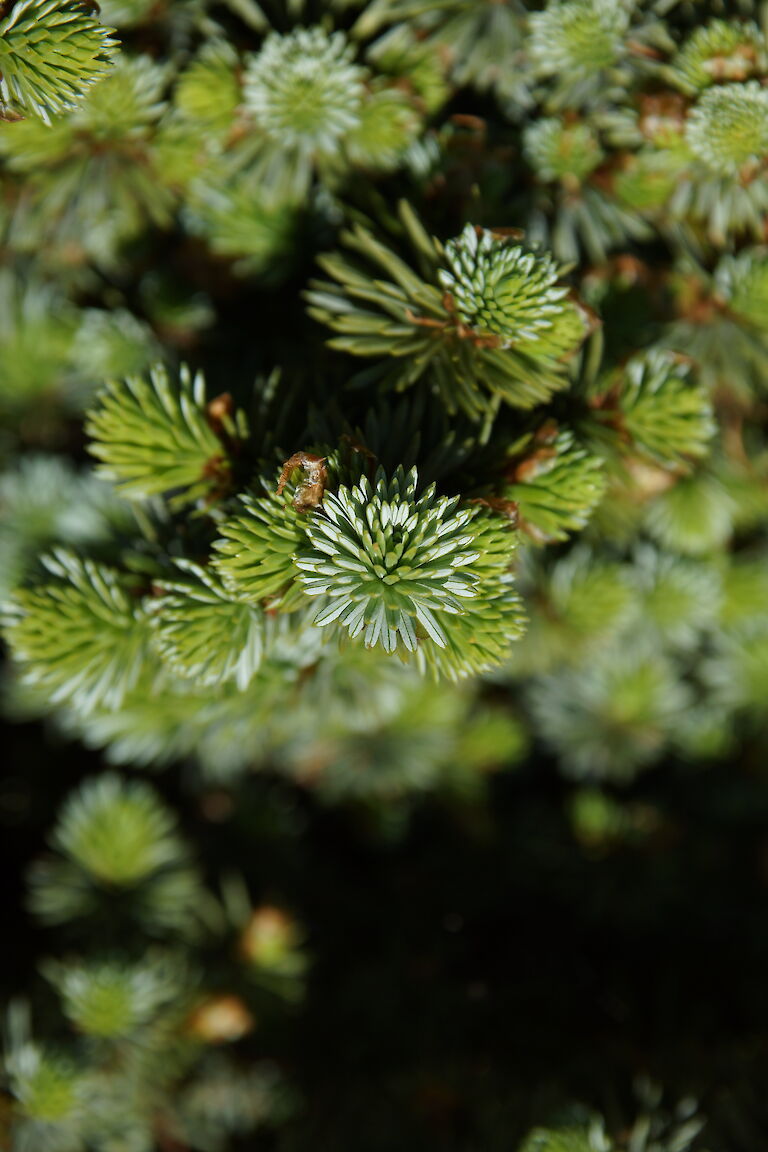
<point x="51" y="53"/>
<point x="304" y="90"/>
<point x="728" y="128"/>
<point x="395" y="567"/>
<point x="502" y="289"/>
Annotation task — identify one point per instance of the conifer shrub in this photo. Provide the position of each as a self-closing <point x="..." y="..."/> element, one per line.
<point x="382" y="410"/>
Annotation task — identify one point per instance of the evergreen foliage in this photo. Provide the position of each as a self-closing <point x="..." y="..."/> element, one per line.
<point x="257" y="549"/>
<point x="421" y="349"/>
<point x="654" y="1130"/>
<point x="481" y="336"/>
<point x="578" y="39"/>
<point x="46" y="501"/>
<point x="673" y="432"/>
<point x="305" y="91"/>
<point x="51" y="53"/>
<point x="203" y="634"/>
<point x="117" y="834"/>
<point x="80" y="636"/>
<point x="164" y="438"/>
<point x="395" y="567"/>
<point x="556" y="483"/>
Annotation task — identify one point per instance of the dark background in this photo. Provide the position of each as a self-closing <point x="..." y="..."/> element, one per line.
<point x="477" y="970"/>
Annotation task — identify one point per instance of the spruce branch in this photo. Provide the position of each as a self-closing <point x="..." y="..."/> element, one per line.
<point x="37" y="334"/>
<point x="82" y="638"/>
<point x="387" y="560"/>
<point x="743" y="282"/>
<point x="416" y="429"/>
<point x="482" y="40"/>
<point x="395" y="568"/>
<point x="555" y="481"/>
<point x="737" y="672"/>
<point x="577" y="40"/>
<point x="157" y="435"/>
<point x="113" y="342"/>
<point x="204" y="634"/>
<point x="506" y="334"/>
<point x="113" y="1000"/>
<point x="728" y="128"/>
<point x="577" y="605"/>
<point x="655" y="1128"/>
<point x="561" y="150"/>
<point x="239" y="220"/>
<point x="51" y="53"/>
<point x="679" y="598"/>
<point x="255" y="555"/>
<point x="208" y="91"/>
<point x="305" y="90"/>
<point x="721" y="323"/>
<point x="126" y="107"/>
<point x="251" y="13"/>
<point x="718" y="52"/>
<point x="503" y="291"/>
<point x="381" y="12"/>
<point x="613" y="716"/>
<point x="228" y="732"/>
<point x="414" y="64"/>
<point x="389" y="124"/>
<point x="317" y="109"/>
<point x="572" y="210"/>
<point x="118" y="832"/>
<point x="92" y="181"/>
<point x="694" y="517"/>
<point x="731" y="204"/>
<point x="118" y="850"/>
<point x="45" y="501"/>
<point x="484" y="636"/>
<point x="647" y="181"/>
<point x="584" y="222"/>
<point x="303" y="617"/>
<point x="659" y="411"/>
<point x="744" y="591"/>
<point x="223" y="1098"/>
<point x="48" y="1089"/>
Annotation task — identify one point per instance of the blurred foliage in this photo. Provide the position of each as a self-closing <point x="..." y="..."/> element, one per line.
<point x="421" y="347"/>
